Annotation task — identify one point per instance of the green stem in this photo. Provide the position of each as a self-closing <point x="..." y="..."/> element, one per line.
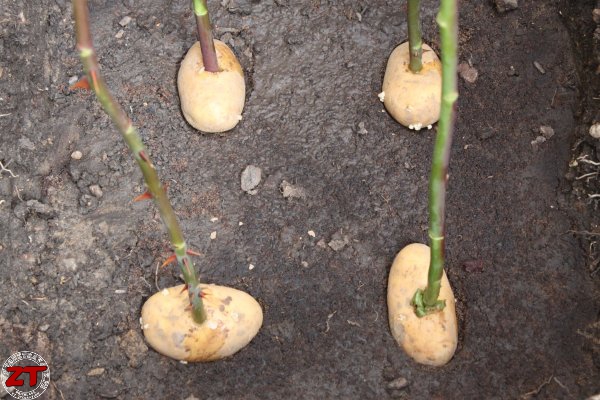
<point x="414" y="36"/>
<point x="205" y="37"/>
<point x="448" y="21"/>
<point x="134" y="141"/>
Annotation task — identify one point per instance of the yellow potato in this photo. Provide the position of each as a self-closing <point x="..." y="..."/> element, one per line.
<point x="413" y="99"/>
<point x="211" y="101"/>
<point x="233" y="319"/>
<point x="431" y="339"/>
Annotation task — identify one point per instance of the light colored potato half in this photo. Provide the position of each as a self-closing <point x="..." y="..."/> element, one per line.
<point x="211" y="102"/>
<point x="413" y="99"/>
<point x="233" y="319"/>
<point x="431" y="339"/>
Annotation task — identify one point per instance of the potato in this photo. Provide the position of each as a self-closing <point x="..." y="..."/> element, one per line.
<point x="431" y="339"/>
<point x="413" y="99"/>
<point x="211" y="101"/>
<point x="233" y="319"/>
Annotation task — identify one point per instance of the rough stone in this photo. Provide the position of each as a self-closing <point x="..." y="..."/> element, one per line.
<point x="398" y="383"/>
<point x="467" y="72"/>
<point x="251" y="177"/>
<point x="96" y="190"/>
<point x="292" y="191"/>
<point x="125" y="21"/>
<point x="595" y="130"/>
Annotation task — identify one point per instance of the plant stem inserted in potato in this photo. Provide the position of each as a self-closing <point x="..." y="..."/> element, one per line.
<point x="412" y="83"/>
<point x="222" y="320"/>
<point x="427" y="301"/>
<point x="155" y="189"/>
<point x="414" y="35"/>
<point x="205" y="37"/>
<point x="421" y="304"/>
<point x="210" y="81"/>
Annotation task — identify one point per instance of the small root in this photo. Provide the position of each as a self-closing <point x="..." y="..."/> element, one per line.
<point x="327" y="322"/>
<point x="535" y="392"/>
<point x="589" y="175"/>
<point x="4" y="168"/>
<point x="156" y="277"/>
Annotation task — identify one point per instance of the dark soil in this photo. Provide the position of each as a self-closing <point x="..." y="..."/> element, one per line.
<point x="77" y="266"/>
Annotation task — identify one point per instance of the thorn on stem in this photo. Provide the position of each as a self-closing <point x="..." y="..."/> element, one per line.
<point x="83" y="83"/>
<point x="144" y="157"/>
<point x="185" y="287"/>
<point x="144" y="196"/>
<point x="147" y="195"/>
<point x="169" y="260"/>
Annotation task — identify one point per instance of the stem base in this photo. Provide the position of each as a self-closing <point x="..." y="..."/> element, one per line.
<point x="432" y="338"/>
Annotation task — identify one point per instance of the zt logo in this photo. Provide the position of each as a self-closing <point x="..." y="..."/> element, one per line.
<point x="31" y="370"/>
<point x="25" y="375"/>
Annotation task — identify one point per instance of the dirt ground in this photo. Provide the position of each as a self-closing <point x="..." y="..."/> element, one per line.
<point x="79" y="258"/>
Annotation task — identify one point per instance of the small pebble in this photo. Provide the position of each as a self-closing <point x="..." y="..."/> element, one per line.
<point x="251" y="177"/>
<point x="398" y="383"/>
<point x="73" y="80"/>
<point x="214" y="219"/>
<point x="596" y="15"/>
<point x="125" y="21"/>
<point x="292" y="191"/>
<point x="44" y="328"/>
<point x="467" y="72"/>
<point x="95" y="372"/>
<point x="595" y="130"/>
<point x="120" y="34"/>
<point x="546" y="131"/>
<point x="311" y="233"/>
<point x="76" y="155"/>
<point x="537" y="141"/>
<point x="251" y="267"/>
<point x="96" y="191"/>
<point x="512" y="71"/>
<point x="539" y="67"/>
<point x="361" y="129"/>
<point x="213" y="235"/>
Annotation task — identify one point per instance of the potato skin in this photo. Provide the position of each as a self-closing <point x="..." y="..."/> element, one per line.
<point x="233" y="319"/>
<point x="413" y="99"/>
<point x="429" y="340"/>
<point x="211" y="102"/>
